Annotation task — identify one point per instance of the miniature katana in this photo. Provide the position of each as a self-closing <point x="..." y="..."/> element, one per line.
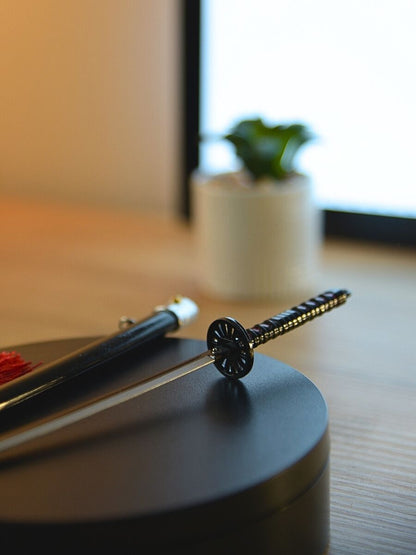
<point x="230" y="347"/>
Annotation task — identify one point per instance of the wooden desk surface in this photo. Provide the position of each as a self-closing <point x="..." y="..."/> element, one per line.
<point x="70" y="271"/>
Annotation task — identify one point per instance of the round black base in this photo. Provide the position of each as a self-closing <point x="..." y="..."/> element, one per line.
<point x="202" y="465"/>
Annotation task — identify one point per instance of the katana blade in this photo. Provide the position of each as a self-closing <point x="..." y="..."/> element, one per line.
<point x="230" y="348"/>
<point x="106" y="402"/>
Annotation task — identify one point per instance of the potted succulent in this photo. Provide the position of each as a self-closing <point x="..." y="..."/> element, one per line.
<point x="257" y="229"/>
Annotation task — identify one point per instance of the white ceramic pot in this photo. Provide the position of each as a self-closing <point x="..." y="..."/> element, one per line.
<point x="255" y="242"/>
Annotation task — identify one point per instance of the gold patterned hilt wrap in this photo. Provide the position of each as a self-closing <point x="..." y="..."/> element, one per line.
<point x="296" y="316"/>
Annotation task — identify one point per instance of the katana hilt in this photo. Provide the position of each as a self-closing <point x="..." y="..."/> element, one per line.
<point x="232" y="345"/>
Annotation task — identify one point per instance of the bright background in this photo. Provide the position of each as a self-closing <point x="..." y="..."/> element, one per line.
<point x="346" y="69"/>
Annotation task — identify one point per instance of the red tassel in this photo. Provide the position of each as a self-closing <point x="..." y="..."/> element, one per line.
<point x="12" y="366"/>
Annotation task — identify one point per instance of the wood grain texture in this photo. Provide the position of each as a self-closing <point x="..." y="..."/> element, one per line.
<point x="71" y="271"/>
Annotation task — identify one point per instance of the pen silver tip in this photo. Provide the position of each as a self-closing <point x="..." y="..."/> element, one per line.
<point x="185" y="309"/>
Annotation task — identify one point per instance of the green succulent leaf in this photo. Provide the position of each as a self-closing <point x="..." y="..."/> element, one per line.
<point x="268" y="151"/>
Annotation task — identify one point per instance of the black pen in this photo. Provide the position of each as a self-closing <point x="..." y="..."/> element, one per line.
<point x="132" y="334"/>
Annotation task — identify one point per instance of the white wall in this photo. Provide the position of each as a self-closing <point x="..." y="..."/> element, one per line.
<point x="89" y="100"/>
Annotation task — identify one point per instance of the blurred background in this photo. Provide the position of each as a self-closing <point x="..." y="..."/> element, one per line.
<point x="103" y="101"/>
<point x="346" y="69"/>
<point x="90" y="101"/>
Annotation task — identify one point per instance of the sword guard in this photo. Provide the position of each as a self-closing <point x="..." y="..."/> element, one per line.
<point x="231" y="347"/>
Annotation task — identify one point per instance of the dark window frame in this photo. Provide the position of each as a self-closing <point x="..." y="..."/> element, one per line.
<point x="393" y="230"/>
<point x="190" y="94"/>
